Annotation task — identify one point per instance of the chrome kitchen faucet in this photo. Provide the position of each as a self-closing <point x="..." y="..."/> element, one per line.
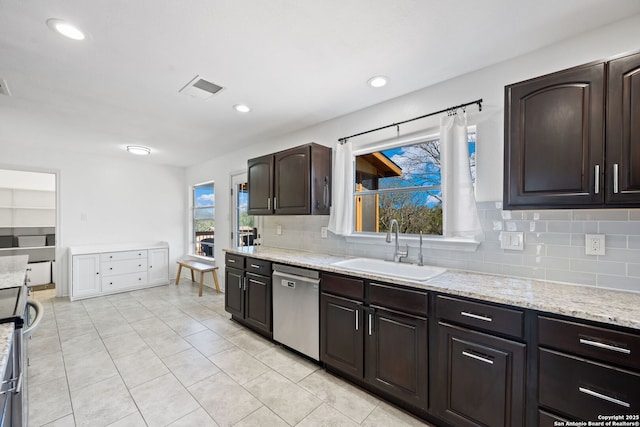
<point x="397" y="254"/>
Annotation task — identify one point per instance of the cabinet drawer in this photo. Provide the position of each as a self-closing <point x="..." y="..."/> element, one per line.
<point x="397" y="298"/>
<point x="545" y="419"/>
<point x="344" y="286"/>
<point x="598" y="343"/>
<point x="233" y="260"/>
<point x="117" y="256"/>
<point x="583" y="389"/>
<point x="483" y="316"/>
<point x="112" y="268"/>
<point x="258" y="266"/>
<point x="123" y="281"/>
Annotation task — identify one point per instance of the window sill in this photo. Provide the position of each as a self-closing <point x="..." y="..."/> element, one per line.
<point x="428" y="242"/>
<point x="202" y="257"/>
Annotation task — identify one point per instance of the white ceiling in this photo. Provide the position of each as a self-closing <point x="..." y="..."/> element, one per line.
<point x="295" y="62"/>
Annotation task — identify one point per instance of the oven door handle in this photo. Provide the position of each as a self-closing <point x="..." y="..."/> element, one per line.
<point x="36" y="321"/>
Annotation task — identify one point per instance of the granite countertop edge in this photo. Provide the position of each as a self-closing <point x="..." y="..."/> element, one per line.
<point x="620" y="308"/>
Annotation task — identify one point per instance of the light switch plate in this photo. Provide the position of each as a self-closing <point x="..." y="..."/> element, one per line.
<point x="512" y="240"/>
<point x="278" y="230"/>
<point x="594" y="244"/>
<point x="323" y="232"/>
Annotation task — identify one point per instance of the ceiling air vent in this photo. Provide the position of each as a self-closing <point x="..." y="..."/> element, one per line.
<point x="4" y="89"/>
<point x="200" y="88"/>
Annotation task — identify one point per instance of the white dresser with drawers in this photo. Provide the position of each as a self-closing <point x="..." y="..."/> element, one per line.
<point x="108" y="269"/>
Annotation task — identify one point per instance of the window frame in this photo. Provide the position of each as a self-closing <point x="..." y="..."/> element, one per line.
<point x="429" y="241"/>
<point x="193" y="239"/>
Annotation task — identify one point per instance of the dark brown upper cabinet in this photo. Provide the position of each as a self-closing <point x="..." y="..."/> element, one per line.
<point x="296" y="181"/>
<point x="556" y="153"/>
<point x="623" y="131"/>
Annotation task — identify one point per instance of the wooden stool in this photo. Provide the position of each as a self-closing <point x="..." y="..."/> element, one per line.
<point x="200" y="267"/>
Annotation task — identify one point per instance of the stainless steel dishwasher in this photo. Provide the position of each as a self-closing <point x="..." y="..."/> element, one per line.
<point x="296" y="309"/>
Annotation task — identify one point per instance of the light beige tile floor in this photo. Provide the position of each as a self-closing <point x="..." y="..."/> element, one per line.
<point x="165" y="357"/>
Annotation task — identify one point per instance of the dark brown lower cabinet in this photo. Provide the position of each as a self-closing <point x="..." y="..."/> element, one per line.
<point x="247" y="295"/>
<point x="342" y="334"/>
<point x="584" y="390"/>
<point x="480" y="379"/>
<point x="396" y="355"/>
<point x="233" y="292"/>
<point x="258" y="302"/>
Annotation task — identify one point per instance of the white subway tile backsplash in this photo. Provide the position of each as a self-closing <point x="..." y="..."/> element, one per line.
<point x="553" y="249"/>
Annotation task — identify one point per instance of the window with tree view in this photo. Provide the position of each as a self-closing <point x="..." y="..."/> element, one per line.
<point x="402" y="183"/>
<point x="204" y="218"/>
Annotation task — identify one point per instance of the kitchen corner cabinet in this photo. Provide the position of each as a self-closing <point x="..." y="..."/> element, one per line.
<point x="556" y="154"/>
<point x="103" y="270"/>
<point x="296" y="181"/>
<point x="248" y="291"/>
<point x="381" y="341"/>
<point x="480" y="376"/>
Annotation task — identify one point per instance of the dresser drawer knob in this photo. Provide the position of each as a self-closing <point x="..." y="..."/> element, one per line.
<point x="605" y="346"/>
<point x="604" y="397"/>
<point x="476" y="357"/>
<point x="476" y="316"/>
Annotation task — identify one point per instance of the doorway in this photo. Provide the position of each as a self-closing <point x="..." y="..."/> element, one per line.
<point x="28" y="222"/>
<point x="244" y="231"/>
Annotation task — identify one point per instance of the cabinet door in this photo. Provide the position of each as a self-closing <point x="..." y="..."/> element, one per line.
<point x="341" y="334"/>
<point x="396" y="355"/>
<point x="480" y="378"/>
<point x="260" y="182"/>
<point x="554" y="132"/>
<point x="85" y="280"/>
<point x="292" y="177"/>
<point x="159" y="266"/>
<point x="234" y="291"/>
<point x="623" y="131"/>
<point x="258" y="301"/>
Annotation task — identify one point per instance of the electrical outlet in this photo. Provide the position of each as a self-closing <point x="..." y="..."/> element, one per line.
<point x="513" y="240"/>
<point x="594" y="244"/>
<point x="278" y="230"/>
<point x="323" y="232"/>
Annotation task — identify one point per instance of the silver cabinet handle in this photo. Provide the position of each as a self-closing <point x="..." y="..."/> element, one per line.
<point x="604" y="397"/>
<point x="269" y="203"/>
<point x="605" y="346"/>
<point x="476" y="357"/>
<point x="255" y="266"/>
<point x="275" y="203"/>
<point x="370" y="323"/>
<point x="357" y="319"/>
<point x="258" y="282"/>
<point x="596" y="182"/>
<point x="615" y="178"/>
<point x="476" y="316"/>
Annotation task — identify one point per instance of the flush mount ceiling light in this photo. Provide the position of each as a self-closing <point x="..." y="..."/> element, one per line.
<point x="139" y="150"/>
<point x="65" y="28"/>
<point x="378" y="81"/>
<point x="241" y="108"/>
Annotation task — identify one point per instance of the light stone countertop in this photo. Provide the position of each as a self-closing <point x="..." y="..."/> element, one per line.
<point x="619" y="308"/>
<point x="115" y="247"/>
<point x="6" y="338"/>
<point x="13" y="270"/>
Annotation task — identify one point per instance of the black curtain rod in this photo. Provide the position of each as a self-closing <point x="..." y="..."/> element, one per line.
<point x="450" y="109"/>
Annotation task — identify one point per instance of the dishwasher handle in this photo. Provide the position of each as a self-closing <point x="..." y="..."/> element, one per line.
<point x="295" y="277"/>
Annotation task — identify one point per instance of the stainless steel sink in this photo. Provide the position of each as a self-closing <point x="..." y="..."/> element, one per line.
<point x="391" y="269"/>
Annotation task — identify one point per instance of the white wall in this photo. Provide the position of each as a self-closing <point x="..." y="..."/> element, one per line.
<point x="487" y="84"/>
<point x="107" y="200"/>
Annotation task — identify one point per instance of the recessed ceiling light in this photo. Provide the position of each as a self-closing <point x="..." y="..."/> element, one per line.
<point x="241" y="108"/>
<point x="378" y="81"/>
<point x="139" y="150"/>
<point x="65" y="28"/>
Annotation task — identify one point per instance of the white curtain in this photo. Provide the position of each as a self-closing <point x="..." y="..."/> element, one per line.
<point x="341" y="214"/>
<point x="460" y="215"/>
